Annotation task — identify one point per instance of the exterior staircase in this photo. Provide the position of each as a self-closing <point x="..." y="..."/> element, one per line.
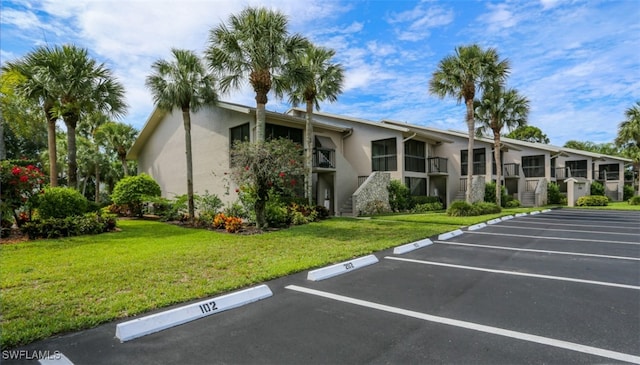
<point x="347" y="208"/>
<point x="528" y="199"/>
<point x="460" y="196"/>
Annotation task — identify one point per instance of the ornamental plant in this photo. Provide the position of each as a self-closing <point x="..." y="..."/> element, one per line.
<point x="275" y="166"/>
<point x="20" y="188"/>
<point x="133" y="191"/>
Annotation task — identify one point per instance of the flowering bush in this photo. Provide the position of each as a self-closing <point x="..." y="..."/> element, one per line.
<point x="270" y="166"/>
<point x="20" y="186"/>
<point x="232" y="224"/>
<point x="219" y="220"/>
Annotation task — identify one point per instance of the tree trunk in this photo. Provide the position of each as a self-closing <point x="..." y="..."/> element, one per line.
<point x="72" y="164"/>
<point x="123" y="161"/>
<point x="186" y="117"/>
<point x="308" y="161"/>
<point x="51" y="141"/>
<point x="262" y="194"/>
<point x="97" y="200"/>
<point x="260" y="121"/>
<point x="496" y="154"/>
<point x="471" y="128"/>
<point x="3" y="148"/>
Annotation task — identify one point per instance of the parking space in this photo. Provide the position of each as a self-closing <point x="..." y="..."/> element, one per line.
<point x="559" y="287"/>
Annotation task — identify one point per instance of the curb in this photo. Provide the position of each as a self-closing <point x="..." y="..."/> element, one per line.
<point x="341" y="268"/>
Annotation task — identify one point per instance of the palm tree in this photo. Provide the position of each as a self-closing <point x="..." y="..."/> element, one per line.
<point x="315" y="79"/>
<point x="40" y="69"/>
<point x="183" y="83"/>
<point x="85" y="87"/>
<point x="471" y="69"/>
<point x="628" y="137"/>
<point x="496" y="110"/>
<point x="255" y="45"/>
<point x="117" y="138"/>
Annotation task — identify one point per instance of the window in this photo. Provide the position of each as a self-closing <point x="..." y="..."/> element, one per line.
<point x="609" y="171"/>
<point x="417" y="185"/>
<point x="273" y="131"/>
<point x="384" y="155"/>
<point x="239" y="133"/>
<point x="576" y="168"/>
<point x="414" y="156"/>
<point x="493" y="162"/>
<point x="479" y="161"/>
<point x="533" y="166"/>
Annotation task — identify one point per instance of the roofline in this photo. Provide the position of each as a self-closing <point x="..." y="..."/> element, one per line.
<point x="353" y="119"/>
<point x="157" y="115"/>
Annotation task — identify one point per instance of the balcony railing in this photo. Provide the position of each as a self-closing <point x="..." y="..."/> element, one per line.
<point x="511" y="170"/>
<point x="606" y="175"/>
<point x="324" y="158"/>
<point x="437" y="165"/>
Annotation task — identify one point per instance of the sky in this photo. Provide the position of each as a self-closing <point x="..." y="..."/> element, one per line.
<point x="578" y="62"/>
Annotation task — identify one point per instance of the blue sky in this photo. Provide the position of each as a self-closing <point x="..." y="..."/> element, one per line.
<point x="578" y="62"/>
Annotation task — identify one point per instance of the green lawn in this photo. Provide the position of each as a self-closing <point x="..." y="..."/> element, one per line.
<point x="614" y="206"/>
<point x="55" y="286"/>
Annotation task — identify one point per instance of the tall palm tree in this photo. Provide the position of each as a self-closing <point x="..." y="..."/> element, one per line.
<point x="470" y="70"/>
<point x="117" y="138"/>
<point x="183" y="83"/>
<point x="255" y="45"/>
<point x="628" y="137"/>
<point x="85" y="87"/>
<point x="498" y="109"/>
<point x="315" y="79"/>
<point x="41" y="69"/>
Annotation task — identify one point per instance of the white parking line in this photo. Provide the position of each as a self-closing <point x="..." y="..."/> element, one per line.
<point x="474" y="326"/>
<point x="566" y="230"/>
<point x="554" y="238"/>
<point x="515" y="273"/>
<point x="540" y="251"/>
<point x="533" y="221"/>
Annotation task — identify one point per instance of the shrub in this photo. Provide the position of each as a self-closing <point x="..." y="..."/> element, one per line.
<point x="134" y="190"/>
<point x="423" y="199"/>
<point x="399" y="196"/>
<point x="321" y="212"/>
<point x="90" y="223"/>
<point x="597" y="188"/>
<point x="61" y="202"/>
<point x="553" y="193"/>
<point x="427" y="207"/>
<point x="232" y="224"/>
<point x="490" y="193"/>
<point x="218" y="221"/>
<point x="20" y="184"/>
<point x="462" y="208"/>
<point x="514" y="203"/>
<point x="627" y="192"/>
<point x="592" y="201"/>
<point x="276" y="213"/>
<point x="459" y="208"/>
<point x="635" y="200"/>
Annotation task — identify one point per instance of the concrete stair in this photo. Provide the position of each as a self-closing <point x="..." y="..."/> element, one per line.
<point x="347" y="208"/>
<point x="528" y="199"/>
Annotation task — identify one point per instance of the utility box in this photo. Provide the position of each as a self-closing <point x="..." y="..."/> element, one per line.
<point x="576" y="188"/>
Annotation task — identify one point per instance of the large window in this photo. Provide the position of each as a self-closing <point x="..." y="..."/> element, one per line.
<point x="239" y="133"/>
<point x="414" y="156"/>
<point x="533" y="166"/>
<point x="384" y="155"/>
<point x="273" y="131"/>
<point x="576" y="168"/>
<point x="609" y="171"/>
<point x="417" y="185"/>
<point x="479" y="161"/>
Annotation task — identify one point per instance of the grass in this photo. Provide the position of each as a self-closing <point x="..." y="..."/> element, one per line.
<point x="614" y="206"/>
<point x="56" y="286"/>
<point x="61" y="285"/>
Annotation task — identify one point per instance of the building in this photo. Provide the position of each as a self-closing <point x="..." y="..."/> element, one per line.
<point x="353" y="159"/>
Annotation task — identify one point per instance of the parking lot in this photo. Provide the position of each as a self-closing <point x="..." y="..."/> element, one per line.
<point x="557" y="287"/>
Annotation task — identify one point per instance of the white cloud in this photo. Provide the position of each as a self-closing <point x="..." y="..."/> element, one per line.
<point x="415" y="24"/>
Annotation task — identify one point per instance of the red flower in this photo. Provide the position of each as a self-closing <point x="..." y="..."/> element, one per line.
<point x="31" y="167"/>
<point x="24" y="178"/>
<point x="293" y="181"/>
<point x="246" y="168"/>
<point x="237" y="190"/>
<point x="281" y="174"/>
<point x="16" y="171"/>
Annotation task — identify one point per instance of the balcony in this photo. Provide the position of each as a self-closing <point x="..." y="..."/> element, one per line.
<point x="511" y="170"/>
<point x="324" y="158"/>
<point x="437" y="166"/>
<point x="605" y="175"/>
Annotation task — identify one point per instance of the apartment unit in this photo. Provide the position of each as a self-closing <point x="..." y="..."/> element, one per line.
<point x="352" y="158"/>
